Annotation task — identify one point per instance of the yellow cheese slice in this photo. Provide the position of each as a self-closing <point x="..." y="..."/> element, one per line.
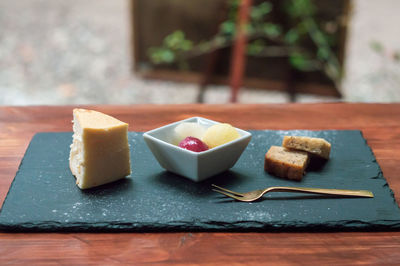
<point x="99" y="150"/>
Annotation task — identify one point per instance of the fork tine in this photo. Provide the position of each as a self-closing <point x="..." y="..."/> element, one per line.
<point x="227" y="190"/>
<point x="226" y="194"/>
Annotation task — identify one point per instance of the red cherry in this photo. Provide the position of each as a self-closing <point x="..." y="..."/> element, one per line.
<point x="193" y="144"/>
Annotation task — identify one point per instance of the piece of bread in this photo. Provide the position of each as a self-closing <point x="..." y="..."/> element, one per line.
<point x="315" y="146"/>
<point x="286" y="163"/>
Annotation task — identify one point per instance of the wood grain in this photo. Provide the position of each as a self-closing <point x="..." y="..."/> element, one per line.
<point x="380" y="124"/>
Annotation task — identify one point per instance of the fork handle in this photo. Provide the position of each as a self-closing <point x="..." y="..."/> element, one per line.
<point x="324" y="191"/>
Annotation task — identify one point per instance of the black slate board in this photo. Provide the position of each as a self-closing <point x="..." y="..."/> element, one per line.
<point x="44" y="197"/>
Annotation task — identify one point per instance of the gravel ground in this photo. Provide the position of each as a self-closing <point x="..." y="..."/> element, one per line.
<point x="370" y="76"/>
<point x="77" y="52"/>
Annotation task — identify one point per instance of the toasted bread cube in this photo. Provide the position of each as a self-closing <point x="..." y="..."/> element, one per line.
<point x="315" y="146"/>
<point x="286" y="163"/>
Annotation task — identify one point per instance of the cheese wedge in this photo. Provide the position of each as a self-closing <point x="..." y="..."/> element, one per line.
<point x="99" y="150"/>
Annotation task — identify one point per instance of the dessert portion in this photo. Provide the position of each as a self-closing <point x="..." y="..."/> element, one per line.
<point x="189" y="157"/>
<point x="100" y="150"/>
<point x="188" y="129"/>
<point x="195" y="137"/>
<point x="193" y="144"/>
<point x="219" y="134"/>
<point x="290" y="160"/>
<point x="286" y="163"/>
<point x="315" y="146"/>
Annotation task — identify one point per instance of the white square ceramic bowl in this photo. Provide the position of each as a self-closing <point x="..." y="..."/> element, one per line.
<point x="196" y="166"/>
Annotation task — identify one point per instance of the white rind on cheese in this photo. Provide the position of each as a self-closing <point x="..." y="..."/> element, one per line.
<point x="99" y="150"/>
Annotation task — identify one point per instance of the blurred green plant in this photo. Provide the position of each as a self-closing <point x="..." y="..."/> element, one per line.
<point x="266" y="39"/>
<point x="172" y="50"/>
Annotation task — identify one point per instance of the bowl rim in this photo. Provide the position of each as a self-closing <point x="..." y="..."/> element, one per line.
<point x="148" y="134"/>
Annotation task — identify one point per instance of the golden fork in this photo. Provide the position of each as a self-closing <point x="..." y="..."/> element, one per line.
<point x="256" y="194"/>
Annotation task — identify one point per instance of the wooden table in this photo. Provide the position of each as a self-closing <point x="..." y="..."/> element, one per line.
<point x="380" y="124"/>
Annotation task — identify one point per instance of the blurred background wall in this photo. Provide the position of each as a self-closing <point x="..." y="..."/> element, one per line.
<point x="80" y="52"/>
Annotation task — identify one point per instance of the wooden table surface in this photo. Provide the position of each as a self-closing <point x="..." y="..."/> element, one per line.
<point x="380" y="124"/>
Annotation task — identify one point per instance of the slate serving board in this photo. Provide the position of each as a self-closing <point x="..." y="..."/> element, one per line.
<point x="44" y="197"/>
